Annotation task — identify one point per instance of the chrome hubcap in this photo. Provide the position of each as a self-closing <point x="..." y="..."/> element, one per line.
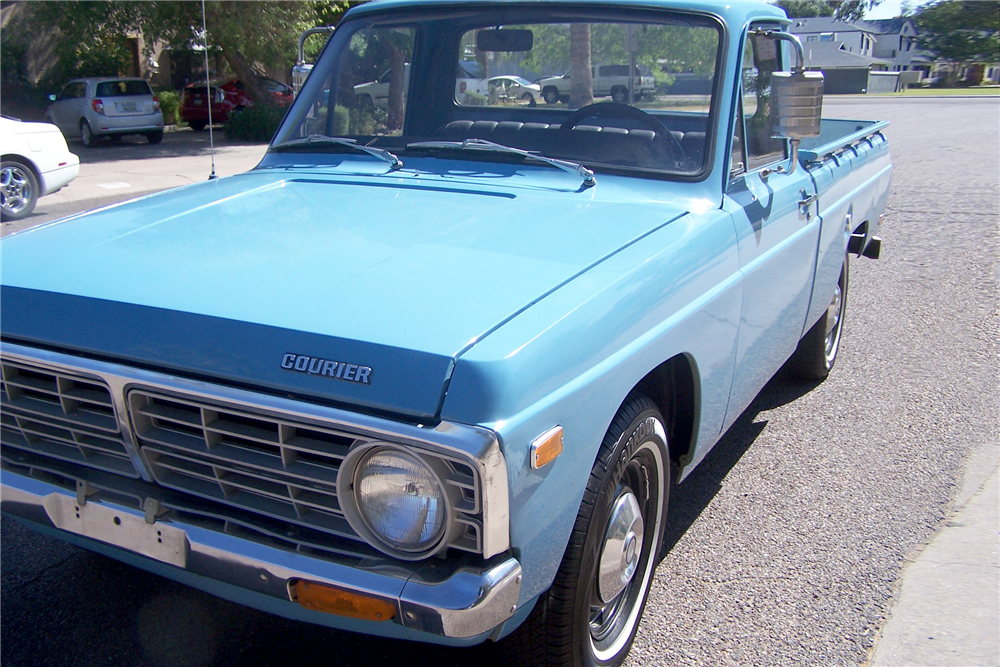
<point x="833" y="314"/>
<point x="622" y="547"/>
<point x="15" y="189"/>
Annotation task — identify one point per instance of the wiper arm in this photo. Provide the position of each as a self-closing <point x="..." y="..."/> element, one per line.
<point x="380" y="153"/>
<point x="484" y="145"/>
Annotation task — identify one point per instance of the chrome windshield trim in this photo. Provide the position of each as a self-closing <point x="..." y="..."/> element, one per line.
<point x="460" y="602"/>
<point x="479" y="446"/>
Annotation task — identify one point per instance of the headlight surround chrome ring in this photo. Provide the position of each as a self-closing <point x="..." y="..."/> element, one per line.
<point x="371" y="469"/>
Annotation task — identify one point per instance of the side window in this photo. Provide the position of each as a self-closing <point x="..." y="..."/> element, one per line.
<point x="737" y="162"/>
<point x="761" y="57"/>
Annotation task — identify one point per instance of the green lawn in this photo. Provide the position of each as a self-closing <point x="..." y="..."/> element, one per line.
<point x="943" y="92"/>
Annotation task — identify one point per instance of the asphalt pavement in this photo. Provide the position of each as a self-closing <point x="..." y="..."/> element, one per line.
<point x="116" y="171"/>
<point x="853" y="522"/>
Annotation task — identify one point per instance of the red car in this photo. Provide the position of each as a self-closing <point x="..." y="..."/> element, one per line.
<point x="228" y="97"/>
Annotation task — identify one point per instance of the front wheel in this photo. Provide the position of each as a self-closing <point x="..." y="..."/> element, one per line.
<point x="817" y="351"/>
<point x="550" y="95"/>
<point x="590" y="615"/>
<point x="18" y="190"/>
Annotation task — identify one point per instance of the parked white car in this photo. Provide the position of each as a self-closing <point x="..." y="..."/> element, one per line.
<point x="515" y="89"/>
<point x="36" y="162"/>
<point x="107" y="107"/>
<point x="471" y="88"/>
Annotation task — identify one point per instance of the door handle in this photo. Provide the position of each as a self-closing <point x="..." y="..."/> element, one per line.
<point x="804" y="202"/>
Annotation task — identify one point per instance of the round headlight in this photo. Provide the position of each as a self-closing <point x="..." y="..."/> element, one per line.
<point x="401" y="499"/>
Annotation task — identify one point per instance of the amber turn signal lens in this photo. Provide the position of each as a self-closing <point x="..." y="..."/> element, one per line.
<point x="330" y="600"/>
<point x="546" y="447"/>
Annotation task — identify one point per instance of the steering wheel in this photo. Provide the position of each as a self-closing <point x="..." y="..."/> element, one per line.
<point x="617" y="110"/>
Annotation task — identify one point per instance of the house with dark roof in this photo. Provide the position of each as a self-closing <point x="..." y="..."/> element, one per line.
<point x="896" y="41"/>
<point x="861" y="56"/>
<point x="844" y="72"/>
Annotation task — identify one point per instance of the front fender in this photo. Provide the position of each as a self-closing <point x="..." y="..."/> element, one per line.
<point x="572" y="358"/>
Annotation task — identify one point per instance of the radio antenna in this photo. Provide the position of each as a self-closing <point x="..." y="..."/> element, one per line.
<point x="208" y="93"/>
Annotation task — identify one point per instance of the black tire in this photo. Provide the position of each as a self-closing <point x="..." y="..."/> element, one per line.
<point x="551" y="95"/>
<point x="86" y="134"/>
<point x="18" y="190"/>
<point x="155" y="137"/>
<point x="817" y="351"/>
<point x="198" y="125"/>
<point x="619" y="94"/>
<point x="584" y="620"/>
<point x="528" y="99"/>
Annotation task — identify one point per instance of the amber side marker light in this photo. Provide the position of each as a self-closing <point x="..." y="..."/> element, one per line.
<point x="330" y="600"/>
<point x="546" y="447"/>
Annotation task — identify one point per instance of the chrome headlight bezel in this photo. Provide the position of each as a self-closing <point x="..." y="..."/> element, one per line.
<point x="348" y="491"/>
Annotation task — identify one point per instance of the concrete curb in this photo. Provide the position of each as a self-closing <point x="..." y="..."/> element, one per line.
<point x="947" y="611"/>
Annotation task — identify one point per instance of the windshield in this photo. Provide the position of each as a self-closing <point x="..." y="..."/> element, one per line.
<point x="549" y="83"/>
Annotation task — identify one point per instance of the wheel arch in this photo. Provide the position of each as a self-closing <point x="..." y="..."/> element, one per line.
<point x="20" y="159"/>
<point x="671" y="386"/>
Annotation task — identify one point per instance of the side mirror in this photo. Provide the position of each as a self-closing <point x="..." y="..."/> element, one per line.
<point x="796" y="101"/>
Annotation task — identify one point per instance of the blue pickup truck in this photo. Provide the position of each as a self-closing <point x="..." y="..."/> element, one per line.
<point x="433" y="370"/>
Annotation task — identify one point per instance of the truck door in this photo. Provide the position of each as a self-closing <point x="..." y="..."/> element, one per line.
<point x="778" y="233"/>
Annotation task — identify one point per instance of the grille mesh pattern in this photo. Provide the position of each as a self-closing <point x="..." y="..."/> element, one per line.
<point x="63" y="417"/>
<point x="282" y="469"/>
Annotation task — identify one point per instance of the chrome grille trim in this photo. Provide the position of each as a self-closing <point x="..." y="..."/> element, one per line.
<point x="61" y="415"/>
<point x="472" y="453"/>
<point x="57" y="397"/>
<point x="278" y="467"/>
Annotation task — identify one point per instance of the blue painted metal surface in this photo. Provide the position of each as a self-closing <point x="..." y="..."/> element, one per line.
<point x="479" y="292"/>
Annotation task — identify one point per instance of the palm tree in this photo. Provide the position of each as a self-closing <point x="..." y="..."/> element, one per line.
<point x="582" y="83"/>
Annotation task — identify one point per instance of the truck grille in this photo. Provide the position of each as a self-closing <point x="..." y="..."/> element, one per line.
<point x="280" y="467"/>
<point x="61" y="416"/>
<point x="285" y="470"/>
<point x="277" y="467"/>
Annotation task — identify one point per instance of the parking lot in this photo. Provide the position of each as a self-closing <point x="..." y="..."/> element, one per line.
<point x="113" y="171"/>
<point x="785" y="547"/>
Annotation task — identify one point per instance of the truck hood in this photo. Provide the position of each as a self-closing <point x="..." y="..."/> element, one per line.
<point x="399" y="273"/>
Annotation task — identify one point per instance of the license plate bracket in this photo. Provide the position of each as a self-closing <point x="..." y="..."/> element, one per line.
<point x="160" y="541"/>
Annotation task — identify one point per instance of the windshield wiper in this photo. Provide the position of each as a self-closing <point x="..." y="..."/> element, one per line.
<point x="484" y="145"/>
<point x="313" y="139"/>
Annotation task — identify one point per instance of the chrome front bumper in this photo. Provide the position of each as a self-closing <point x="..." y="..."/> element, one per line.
<point x="442" y="598"/>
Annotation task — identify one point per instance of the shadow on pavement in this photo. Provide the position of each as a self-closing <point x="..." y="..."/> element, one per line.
<point x="177" y="143"/>
<point x="698" y="490"/>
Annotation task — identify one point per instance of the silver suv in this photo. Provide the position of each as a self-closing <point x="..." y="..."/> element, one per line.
<point x="112" y="107"/>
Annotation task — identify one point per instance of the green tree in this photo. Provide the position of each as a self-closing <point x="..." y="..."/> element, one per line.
<point x="959" y="31"/>
<point x="248" y="34"/>
<point x="848" y="10"/>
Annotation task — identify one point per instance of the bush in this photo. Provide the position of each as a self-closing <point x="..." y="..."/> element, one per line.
<point x="170" y="104"/>
<point x="257" y="123"/>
